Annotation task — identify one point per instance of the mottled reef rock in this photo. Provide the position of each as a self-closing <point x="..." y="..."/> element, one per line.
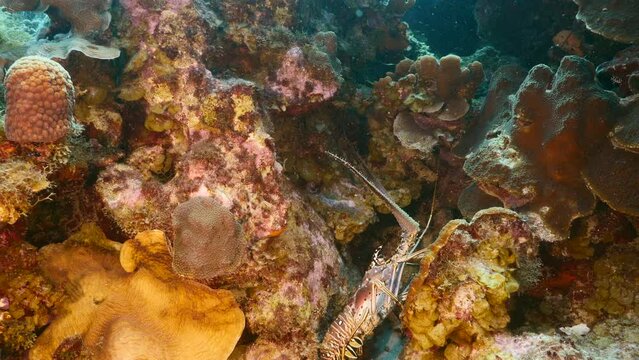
<point x="212" y="135"/>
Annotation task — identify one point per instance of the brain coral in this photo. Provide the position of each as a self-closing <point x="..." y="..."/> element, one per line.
<point x="208" y="241"/>
<point x="40" y="99"/>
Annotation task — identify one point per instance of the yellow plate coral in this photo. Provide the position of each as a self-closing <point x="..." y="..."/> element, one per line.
<point x="133" y="306"/>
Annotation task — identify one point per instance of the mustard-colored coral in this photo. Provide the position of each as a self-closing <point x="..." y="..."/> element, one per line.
<point x="459" y="298"/>
<point x="130" y="305"/>
<point x="19" y="184"/>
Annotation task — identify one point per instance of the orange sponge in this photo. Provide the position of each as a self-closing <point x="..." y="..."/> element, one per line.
<point x="40" y="98"/>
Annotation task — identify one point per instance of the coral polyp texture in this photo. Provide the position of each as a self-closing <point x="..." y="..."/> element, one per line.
<point x="459" y="299"/>
<point x="208" y="240"/>
<point x="40" y="99"/>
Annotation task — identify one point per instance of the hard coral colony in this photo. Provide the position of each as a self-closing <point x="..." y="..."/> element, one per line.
<point x="374" y="179"/>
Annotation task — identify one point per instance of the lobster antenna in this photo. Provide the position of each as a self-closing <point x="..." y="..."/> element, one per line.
<point x="406" y="222"/>
<point x="432" y="211"/>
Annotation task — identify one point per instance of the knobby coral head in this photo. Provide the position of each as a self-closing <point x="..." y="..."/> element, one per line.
<point x="40" y="100"/>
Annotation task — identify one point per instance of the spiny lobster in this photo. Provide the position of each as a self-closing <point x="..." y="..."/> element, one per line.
<point x="378" y="293"/>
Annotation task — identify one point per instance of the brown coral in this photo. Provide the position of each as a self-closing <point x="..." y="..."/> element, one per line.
<point x="543" y="151"/>
<point x="208" y="241"/>
<point x="459" y="298"/>
<point x="615" y="20"/>
<point x="132" y="305"/>
<point x="40" y="100"/>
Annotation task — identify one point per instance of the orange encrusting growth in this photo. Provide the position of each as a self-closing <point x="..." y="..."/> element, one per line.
<point x="40" y="99"/>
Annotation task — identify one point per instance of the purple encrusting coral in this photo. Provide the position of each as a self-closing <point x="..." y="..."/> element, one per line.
<point x="182" y="192"/>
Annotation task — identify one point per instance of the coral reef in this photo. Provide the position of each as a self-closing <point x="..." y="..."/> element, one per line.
<point x="133" y="298"/>
<point x="40" y="99"/>
<point x="458" y="300"/>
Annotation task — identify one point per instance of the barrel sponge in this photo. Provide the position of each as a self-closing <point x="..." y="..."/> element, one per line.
<point x="208" y="241"/>
<point x="39" y="98"/>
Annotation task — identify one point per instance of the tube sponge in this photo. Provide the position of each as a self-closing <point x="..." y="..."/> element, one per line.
<point x="40" y="100"/>
<point x="208" y="241"/>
